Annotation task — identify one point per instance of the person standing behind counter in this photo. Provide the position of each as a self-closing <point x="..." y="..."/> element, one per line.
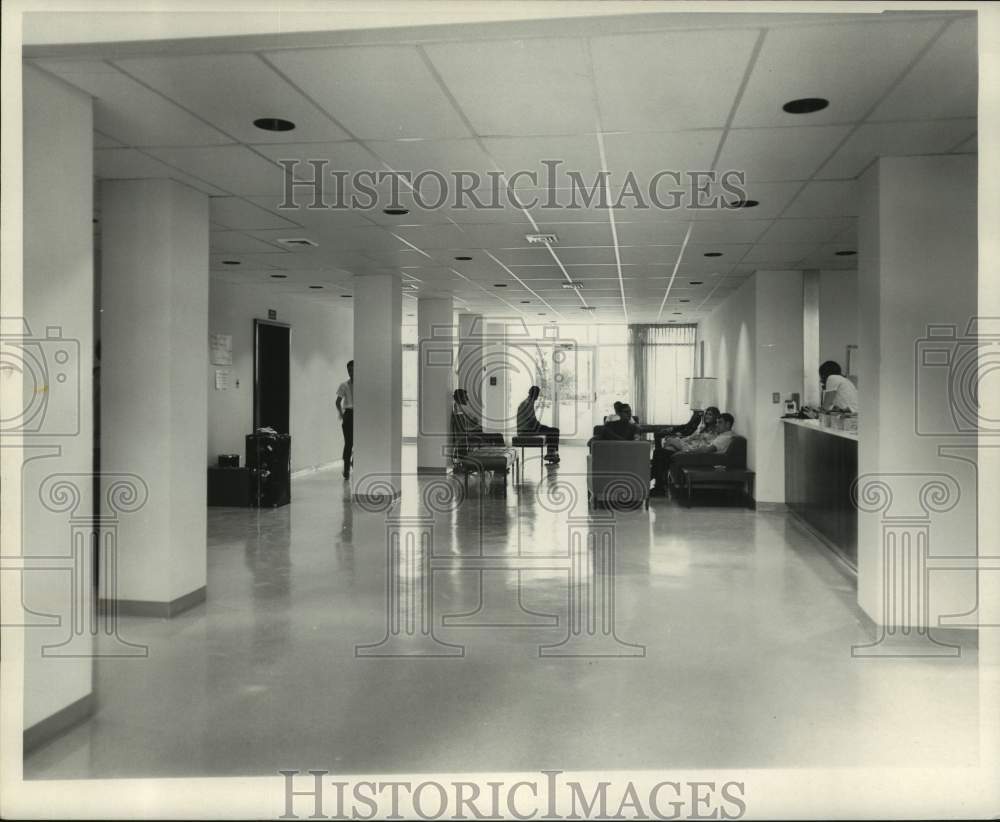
<point x="838" y="391"/>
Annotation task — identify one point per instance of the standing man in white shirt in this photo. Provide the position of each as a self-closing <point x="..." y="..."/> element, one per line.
<point x="345" y="409"/>
<point x="838" y="391"/>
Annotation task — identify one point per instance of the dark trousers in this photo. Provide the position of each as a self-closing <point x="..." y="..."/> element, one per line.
<point x="348" y="427"/>
<point x="661" y="465"/>
<point x="551" y="437"/>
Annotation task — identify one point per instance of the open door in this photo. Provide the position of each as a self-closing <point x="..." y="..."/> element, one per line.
<point x="272" y="348"/>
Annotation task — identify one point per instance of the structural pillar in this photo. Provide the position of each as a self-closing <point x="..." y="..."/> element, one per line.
<point x="918" y="343"/>
<point x="469" y="368"/>
<point x="810" y="338"/>
<point x="48" y="330"/>
<point x="378" y="386"/>
<point x="154" y="404"/>
<point x="495" y="381"/>
<point x="435" y="358"/>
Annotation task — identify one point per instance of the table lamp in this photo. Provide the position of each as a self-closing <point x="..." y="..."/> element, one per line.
<point x="703" y="392"/>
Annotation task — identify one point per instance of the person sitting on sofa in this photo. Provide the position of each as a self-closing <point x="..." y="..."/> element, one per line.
<point x="621" y="428"/>
<point x="619" y="414"/>
<point x="720" y="442"/>
<point x="670" y="445"/>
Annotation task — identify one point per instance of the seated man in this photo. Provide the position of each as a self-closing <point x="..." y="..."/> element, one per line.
<point x="670" y="445"/>
<point x="720" y="441"/>
<point x="622" y="428"/>
<point x="528" y="425"/>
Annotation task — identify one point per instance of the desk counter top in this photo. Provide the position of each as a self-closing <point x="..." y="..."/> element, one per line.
<point x="815" y="426"/>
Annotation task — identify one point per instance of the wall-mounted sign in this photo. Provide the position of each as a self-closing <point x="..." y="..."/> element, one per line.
<point x="272" y="314"/>
<point x="220" y="349"/>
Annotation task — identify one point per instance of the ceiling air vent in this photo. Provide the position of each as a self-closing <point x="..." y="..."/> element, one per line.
<point x="574" y="285"/>
<point x="542" y="239"/>
<point x="298" y="242"/>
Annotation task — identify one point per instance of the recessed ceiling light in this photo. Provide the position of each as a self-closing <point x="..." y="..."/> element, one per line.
<point x="499" y="285"/>
<point x="696" y="282"/>
<point x="230" y="262"/>
<point x="274" y="124"/>
<point x="744" y="204"/>
<point x="395" y="212"/>
<point x="525" y="302"/>
<point x="409" y="315"/>
<point x="677" y="313"/>
<point x="683" y="301"/>
<point x="315" y="286"/>
<point x="541" y="313"/>
<point x="463" y="259"/>
<point x="346" y="296"/>
<point x="806" y="105"/>
<point x="713" y="253"/>
<point x="846" y="253"/>
<point x="279" y="276"/>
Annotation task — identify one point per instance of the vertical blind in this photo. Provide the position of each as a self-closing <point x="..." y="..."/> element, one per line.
<point x="662" y="360"/>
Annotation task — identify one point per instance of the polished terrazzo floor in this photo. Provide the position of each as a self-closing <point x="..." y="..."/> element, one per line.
<point x="743" y="621"/>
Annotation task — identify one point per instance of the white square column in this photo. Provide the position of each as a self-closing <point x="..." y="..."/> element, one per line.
<point x="48" y="350"/>
<point x="918" y="289"/>
<point x="154" y="393"/>
<point x="378" y="386"/>
<point x="469" y="368"/>
<point x="435" y="357"/>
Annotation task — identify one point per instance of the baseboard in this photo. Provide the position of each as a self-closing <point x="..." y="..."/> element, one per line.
<point x="771" y="507"/>
<point x="376" y="499"/>
<point x="312" y="469"/>
<point x="61" y="721"/>
<point x="843" y="561"/>
<point x="161" y="610"/>
<point x="958" y="636"/>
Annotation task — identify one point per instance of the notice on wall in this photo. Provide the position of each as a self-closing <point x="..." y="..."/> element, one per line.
<point x="223" y="379"/>
<point x="220" y="349"/>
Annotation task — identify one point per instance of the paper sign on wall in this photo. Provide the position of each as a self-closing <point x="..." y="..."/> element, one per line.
<point x="220" y="347"/>
<point x="222" y="379"/>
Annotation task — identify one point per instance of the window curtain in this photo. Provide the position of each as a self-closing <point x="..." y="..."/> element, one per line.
<point x="662" y="360"/>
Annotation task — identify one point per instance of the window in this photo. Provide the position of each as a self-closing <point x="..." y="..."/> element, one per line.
<point x="662" y="359"/>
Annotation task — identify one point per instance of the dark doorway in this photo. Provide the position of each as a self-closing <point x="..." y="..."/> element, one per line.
<point x="272" y="343"/>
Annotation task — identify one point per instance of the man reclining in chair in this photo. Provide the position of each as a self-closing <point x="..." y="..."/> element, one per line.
<point x="714" y="436"/>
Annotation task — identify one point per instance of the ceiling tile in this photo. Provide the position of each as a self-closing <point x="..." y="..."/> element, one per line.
<point x="873" y="140"/>
<point x="519" y="87"/>
<point x="570" y="235"/>
<point x="235" y="169"/>
<point x="563" y="156"/>
<point x="230" y="91"/>
<point x="647" y="155"/>
<point x="661" y="233"/>
<point x="443" y="157"/>
<point x="826" y="198"/>
<point x="850" y="64"/>
<point x="239" y="243"/>
<point x="944" y="83"/>
<point x="778" y="252"/>
<point x="805" y="231"/>
<point x="131" y="113"/>
<point x="130" y="164"/>
<point x="775" y="154"/>
<point x="235" y="213"/>
<point x="728" y="231"/>
<point x="645" y="83"/>
<point x="371" y="90"/>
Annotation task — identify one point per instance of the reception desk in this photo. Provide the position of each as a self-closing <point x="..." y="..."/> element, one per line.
<point x="821" y="465"/>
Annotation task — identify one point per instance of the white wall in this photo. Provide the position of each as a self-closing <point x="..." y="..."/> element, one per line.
<point x="778" y="371"/>
<point x="753" y="345"/>
<point x="729" y="335"/>
<point x="838" y="315"/>
<point x="321" y="345"/>
<point x="58" y="293"/>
